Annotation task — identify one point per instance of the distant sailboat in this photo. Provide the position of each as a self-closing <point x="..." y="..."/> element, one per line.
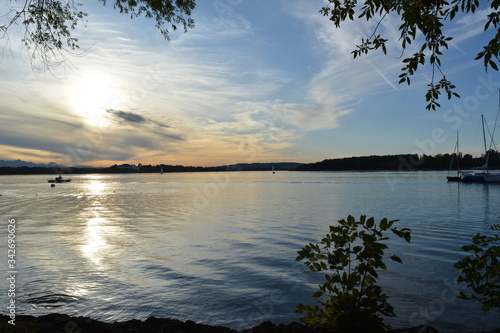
<point x="273" y="169"/>
<point x="161" y="170"/>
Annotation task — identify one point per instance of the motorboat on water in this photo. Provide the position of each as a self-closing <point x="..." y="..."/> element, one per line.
<point x="59" y="179"/>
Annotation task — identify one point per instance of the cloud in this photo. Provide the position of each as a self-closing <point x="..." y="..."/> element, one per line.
<point x="127" y="116"/>
<point x="209" y="92"/>
<point x="155" y="127"/>
<point x="311" y="117"/>
<point x="340" y="82"/>
<point x="467" y="27"/>
<point x="216" y="92"/>
<point x="221" y="95"/>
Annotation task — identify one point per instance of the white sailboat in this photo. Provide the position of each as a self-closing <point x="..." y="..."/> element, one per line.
<point x="479" y="176"/>
<point x="483" y="176"/>
<point x="161" y="170"/>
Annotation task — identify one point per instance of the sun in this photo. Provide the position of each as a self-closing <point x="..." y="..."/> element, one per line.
<point x="91" y="95"/>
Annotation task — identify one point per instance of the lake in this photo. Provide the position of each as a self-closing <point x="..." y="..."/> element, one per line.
<point x="220" y="248"/>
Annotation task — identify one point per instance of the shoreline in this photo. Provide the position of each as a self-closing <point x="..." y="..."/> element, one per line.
<point x="70" y="324"/>
<point x="52" y="323"/>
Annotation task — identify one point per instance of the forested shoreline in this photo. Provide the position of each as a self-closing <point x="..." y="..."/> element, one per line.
<point x="401" y="162"/>
<point x="140" y="168"/>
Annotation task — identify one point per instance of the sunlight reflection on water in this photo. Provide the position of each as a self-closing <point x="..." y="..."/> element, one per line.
<point x="219" y="248"/>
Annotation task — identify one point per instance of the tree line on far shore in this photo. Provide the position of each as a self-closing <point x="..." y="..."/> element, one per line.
<point x="143" y="168"/>
<point x="404" y="162"/>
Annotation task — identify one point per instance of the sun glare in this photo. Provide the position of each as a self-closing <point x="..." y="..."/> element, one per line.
<point x="91" y="95"/>
<point x="96" y="187"/>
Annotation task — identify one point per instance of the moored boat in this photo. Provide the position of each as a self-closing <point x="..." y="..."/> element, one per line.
<point x="59" y="179"/>
<point x="483" y="175"/>
<point x="454" y="178"/>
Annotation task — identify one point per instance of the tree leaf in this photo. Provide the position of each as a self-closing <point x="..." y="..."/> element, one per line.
<point x="370" y="223"/>
<point x="396" y="258"/>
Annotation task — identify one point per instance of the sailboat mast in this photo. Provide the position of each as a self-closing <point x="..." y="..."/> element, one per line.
<point x="458" y="157"/>
<point x="485" y="148"/>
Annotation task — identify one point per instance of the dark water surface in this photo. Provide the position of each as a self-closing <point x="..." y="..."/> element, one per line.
<point x="219" y="248"/>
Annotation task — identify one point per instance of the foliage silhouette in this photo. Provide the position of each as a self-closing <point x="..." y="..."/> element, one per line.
<point x="481" y="270"/>
<point x="351" y="252"/>
<point x="49" y="24"/>
<point x="421" y="22"/>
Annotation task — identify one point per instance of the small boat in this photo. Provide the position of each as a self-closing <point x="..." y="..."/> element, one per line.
<point x="161" y="170"/>
<point x="454" y="178"/>
<point x="273" y="170"/>
<point x="59" y="179"/>
<point x="480" y="177"/>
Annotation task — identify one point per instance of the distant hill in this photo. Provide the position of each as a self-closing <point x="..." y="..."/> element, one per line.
<point x="19" y="167"/>
<point x="232" y="167"/>
<point x="262" y="166"/>
<point x="21" y="163"/>
<point x="402" y="162"/>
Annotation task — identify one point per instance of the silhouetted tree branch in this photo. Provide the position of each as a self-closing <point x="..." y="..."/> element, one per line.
<point x="422" y="21"/>
<point x="49" y="24"/>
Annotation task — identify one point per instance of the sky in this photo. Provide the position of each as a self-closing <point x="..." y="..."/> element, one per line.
<point x="254" y="81"/>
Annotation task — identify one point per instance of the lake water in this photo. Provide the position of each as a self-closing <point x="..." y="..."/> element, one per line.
<point x="219" y="248"/>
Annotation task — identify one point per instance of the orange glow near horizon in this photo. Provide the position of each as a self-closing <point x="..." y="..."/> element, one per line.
<point x="179" y="161"/>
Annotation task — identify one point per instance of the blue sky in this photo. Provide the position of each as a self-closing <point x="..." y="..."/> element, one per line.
<point x="254" y="81"/>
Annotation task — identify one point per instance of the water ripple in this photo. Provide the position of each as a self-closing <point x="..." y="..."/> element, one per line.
<point x="220" y="248"/>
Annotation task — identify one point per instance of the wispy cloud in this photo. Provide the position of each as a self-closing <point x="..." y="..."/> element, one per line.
<point x="210" y="90"/>
<point x="241" y="86"/>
